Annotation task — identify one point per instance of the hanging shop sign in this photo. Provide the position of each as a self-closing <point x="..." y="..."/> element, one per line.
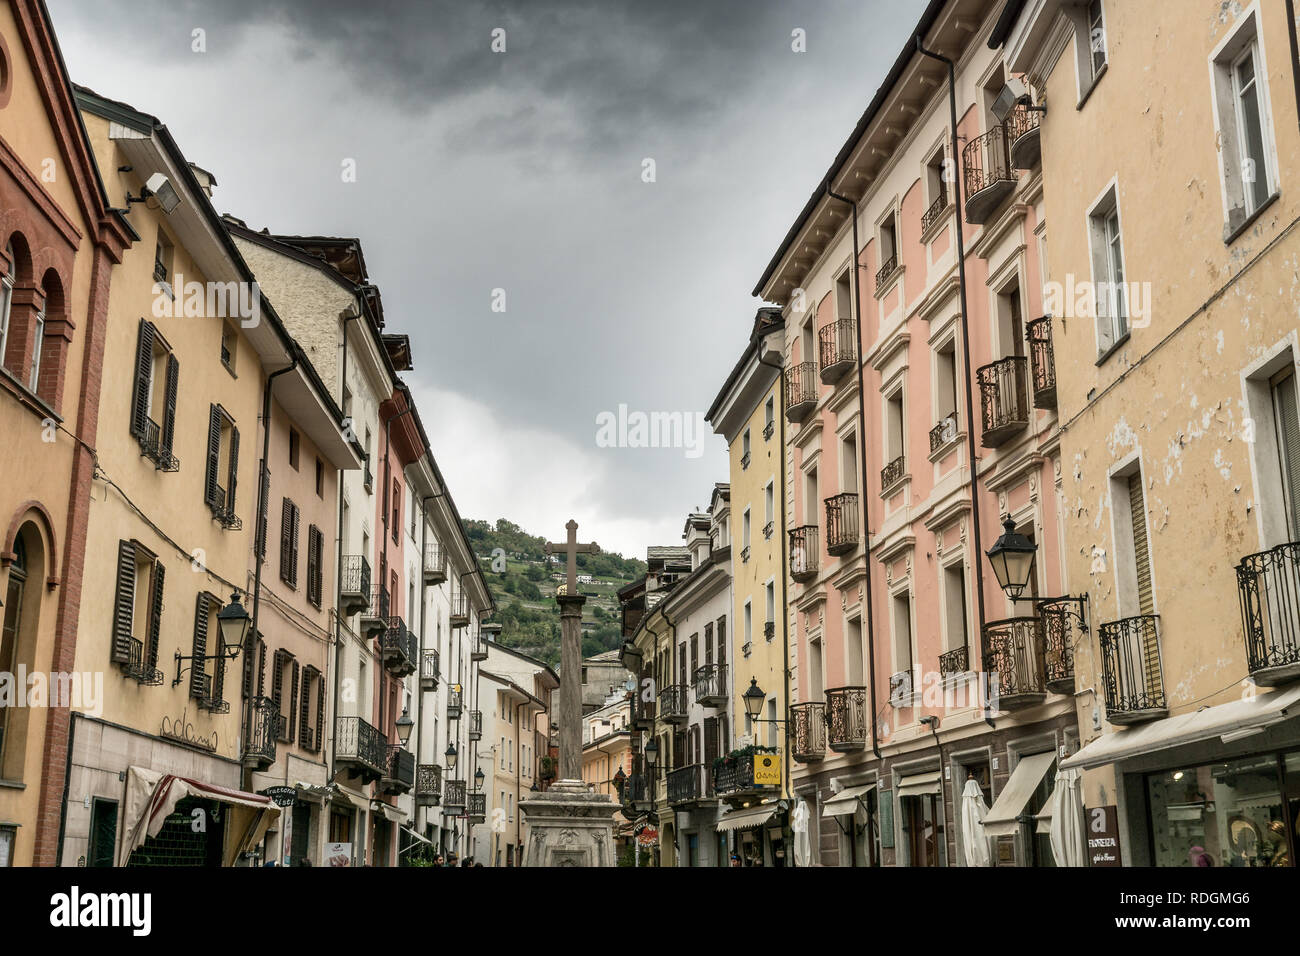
<point x="1103" y="836"/>
<point x="767" y="770"/>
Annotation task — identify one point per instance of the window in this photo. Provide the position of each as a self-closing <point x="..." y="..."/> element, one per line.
<point x="895" y="424"/>
<point x="888" y="247"/>
<point x="137" y="610"/>
<point x="289" y="517"/>
<point x="744" y="540"/>
<point x="770" y="595"/>
<point x="849" y="463"/>
<point x="744" y="450"/>
<point x="207" y="677"/>
<point x="284" y="694"/>
<point x="816" y="675"/>
<point x="901" y="684"/>
<point x="1010" y="319"/>
<point x="769" y="509"/>
<point x="945" y="391"/>
<point x="854" y="657"/>
<point x="1110" y="296"/>
<point x="10" y="717"/>
<point x="1133" y="577"/>
<point x="38" y="340"/>
<point x="315" y="554"/>
<point x="749" y="626"/>
<point x="311" y="713"/>
<point x="294" y="443"/>
<point x="1244" y="124"/>
<point x="812" y="503"/>
<point x="397" y="507"/>
<point x="7" y="297"/>
<point x="769" y="416"/>
<point x="153" y="399"/>
<point x="222" y="465"/>
<point x="229" y="347"/>
<point x="1282" y="388"/>
<point x="162" y="259"/>
<point x="1096" y="37"/>
<point x="954" y="606"/>
<point x="320" y="479"/>
<point x="936" y="183"/>
<point x="1089" y="23"/>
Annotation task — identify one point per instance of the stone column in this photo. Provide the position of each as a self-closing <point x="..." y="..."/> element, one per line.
<point x="571" y="686"/>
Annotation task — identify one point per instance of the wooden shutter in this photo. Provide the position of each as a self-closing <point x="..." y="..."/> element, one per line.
<point x="218" y="690"/>
<point x="320" y="715"/>
<point x="277" y="682"/>
<point x="722" y="640"/>
<point x="155" y="613"/>
<point x="710" y="741"/>
<point x="169" y="409"/>
<point x="293" y="563"/>
<point x="123" y="602"/>
<point x="1288" y="440"/>
<point x="250" y="658"/>
<point x="143" y="379"/>
<point x="263" y="502"/>
<point x="708" y="643"/>
<point x="315" y="547"/>
<point x="695" y="653"/>
<point x="261" y="666"/>
<point x="293" y="701"/>
<point x="234" y="469"/>
<point x="286" y="529"/>
<point x="214" y="457"/>
<point x="198" y="666"/>
<point x="304" y="710"/>
<point x="681" y="664"/>
<point x="1141" y="550"/>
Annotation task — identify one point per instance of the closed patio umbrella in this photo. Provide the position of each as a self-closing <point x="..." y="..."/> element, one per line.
<point x="799" y="824"/>
<point x="975" y="845"/>
<point x="1066" y="831"/>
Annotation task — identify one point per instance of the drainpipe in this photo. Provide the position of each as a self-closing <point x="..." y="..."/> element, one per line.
<point x="965" y="341"/>
<point x="424" y="600"/>
<point x="392" y="598"/>
<point x="785" y="603"/>
<point x="1295" y="51"/>
<point x="943" y="798"/>
<point x="263" y="487"/>
<point x="862" y="436"/>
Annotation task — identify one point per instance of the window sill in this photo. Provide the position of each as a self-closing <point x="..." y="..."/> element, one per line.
<point x="892" y="280"/>
<point x="27" y="397"/>
<point x="1119" y="344"/>
<point x="936" y="227"/>
<point x="1084" y="96"/>
<point x="12" y="784"/>
<point x="226" y="366"/>
<point x="1231" y="234"/>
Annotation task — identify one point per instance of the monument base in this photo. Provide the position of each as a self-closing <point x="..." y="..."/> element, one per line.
<point x="569" y="826"/>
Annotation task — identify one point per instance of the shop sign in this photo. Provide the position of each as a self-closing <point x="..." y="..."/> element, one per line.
<point x="767" y="770"/>
<point x="338" y="854"/>
<point x="1103" y="836"/>
<point x="282" y="796"/>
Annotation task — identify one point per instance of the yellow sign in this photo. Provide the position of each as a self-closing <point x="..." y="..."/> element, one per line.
<point x="767" y="770"/>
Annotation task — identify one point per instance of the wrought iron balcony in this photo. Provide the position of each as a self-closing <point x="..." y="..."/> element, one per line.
<point x="846" y="717"/>
<point x="900" y="688"/>
<point x="800" y="390"/>
<point x="401" y="648"/>
<point x="643" y="711"/>
<point x="734" y="776"/>
<point x="837" y="348"/>
<point x="223" y="510"/>
<point x="1269" y="587"/>
<point x="368" y="479"/>
<point x="805" y="553"/>
<point x="711" y="685"/>
<point x="768" y="430"/>
<point x="744" y="555"/>
<point x="453" y="797"/>
<point x="684" y="784"/>
<point x="1004" y="404"/>
<point x="476" y="807"/>
<point x="672" y="704"/>
<point x="937" y="208"/>
<point x="259" y="748"/>
<point x="360" y="749"/>
<point x="987" y="174"/>
<point x="475" y="725"/>
<point x="769" y="630"/>
<point x="808" y="731"/>
<point x="1013" y="651"/>
<point x="1058" y="645"/>
<point x="843" y="530"/>
<point x="1043" y="361"/>
<point x="459" y="616"/>
<point x="634" y="789"/>
<point x="1131" y="671"/>
<point x="1023" y="136"/>
<point x="943" y="433"/>
<point x="354" y="584"/>
<point x="429" y="670"/>
<point x="744" y="461"/>
<point x="374" y="619"/>
<point x="892" y="473"/>
<point x="428" y="784"/>
<point x="435" y="564"/>
<point x="479" y="646"/>
<point x="138" y="669"/>
<point x="954" y="662"/>
<point x="151" y="447"/>
<point x="886" y="271"/>
<point x="453" y="704"/>
<point x="399" y="774"/>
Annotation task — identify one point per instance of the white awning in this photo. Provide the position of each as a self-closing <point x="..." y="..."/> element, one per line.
<point x="391" y="814"/>
<point x="1044" y="816"/>
<point x="1255" y="713"/>
<point x="846" y="801"/>
<point x="919" y="785"/>
<point x="1002" y="819"/>
<point x="746" y="818"/>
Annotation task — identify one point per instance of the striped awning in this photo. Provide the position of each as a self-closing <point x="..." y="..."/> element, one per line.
<point x="747" y="817"/>
<point x="846" y="801"/>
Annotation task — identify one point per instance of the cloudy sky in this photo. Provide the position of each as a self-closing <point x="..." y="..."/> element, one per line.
<point x="522" y="171"/>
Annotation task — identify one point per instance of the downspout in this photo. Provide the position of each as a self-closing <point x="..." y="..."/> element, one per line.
<point x="392" y="598"/>
<point x="785" y="594"/>
<point x="338" y="561"/>
<point x="965" y="341"/>
<point x="260" y="531"/>
<point x="424" y="601"/>
<point x="862" y="435"/>
<point x="67" y="782"/>
<point x="1295" y="51"/>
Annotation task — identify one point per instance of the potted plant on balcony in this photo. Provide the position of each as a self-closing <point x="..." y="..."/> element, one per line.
<point x="546" y="768"/>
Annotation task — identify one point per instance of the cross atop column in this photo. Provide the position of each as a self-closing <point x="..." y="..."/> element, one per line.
<point x="572" y="549"/>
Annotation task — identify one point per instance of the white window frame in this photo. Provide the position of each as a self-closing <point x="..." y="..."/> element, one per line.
<point x="7" y="283"/>
<point x="1123" y="562"/>
<point x="1101" y="246"/>
<point x="1265" y="468"/>
<point x="1087" y="73"/>
<point x="38" y="342"/>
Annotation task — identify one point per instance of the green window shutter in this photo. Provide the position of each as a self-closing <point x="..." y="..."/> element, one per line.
<point x="169" y="409"/>
<point x="143" y="379"/>
<point x="887" y="819"/>
<point x="123" y="602"/>
<point x="1141" y="547"/>
<point x="214" y="458"/>
<point x="155" y="614"/>
<point x="286" y="529"/>
<point x="234" y="470"/>
<point x="198" y="667"/>
<point x="293" y="702"/>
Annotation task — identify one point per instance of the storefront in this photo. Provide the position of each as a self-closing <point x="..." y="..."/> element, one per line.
<point x="753" y="836"/>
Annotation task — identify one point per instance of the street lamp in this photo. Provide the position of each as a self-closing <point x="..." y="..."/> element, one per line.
<point x="478" y="779"/>
<point x="233" y="621"/>
<point x="1012" y="557"/>
<point x="651" y="754"/>
<point x="754" y="699"/>
<point x="450" y="756"/>
<point x="404" y="726"/>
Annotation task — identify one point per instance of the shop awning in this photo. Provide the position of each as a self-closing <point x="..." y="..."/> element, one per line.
<point x="1043" y="817"/>
<point x="846" y="801"/>
<point x="920" y="785"/>
<point x="1002" y="819"/>
<point x="417" y="837"/>
<point x="391" y="814"/>
<point x="152" y="796"/>
<point x="1239" y="716"/>
<point x="746" y="818"/>
<point x="351" y="800"/>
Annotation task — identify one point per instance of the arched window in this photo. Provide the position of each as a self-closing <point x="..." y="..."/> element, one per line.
<point x="9" y="635"/>
<point x="38" y="341"/>
<point x="7" y="297"/>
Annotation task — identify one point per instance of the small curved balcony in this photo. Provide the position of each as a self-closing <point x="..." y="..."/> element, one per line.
<point x="800" y="391"/>
<point x="846" y="718"/>
<point x="1131" y="672"/>
<point x="711" y="685"/>
<point x="808" y="731"/>
<point x="1043" y="361"/>
<point x="1023" y="136"/>
<point x="842" y="525"/>
<point x="672" y="704"/>
<point x="987" y="175"/>
<point x="1014" y="652"/>
<point x="1004" y="402"/>
<point x="1269" y="587"/>
<point x="805" y="553"/>
<point x="837" y="349"/>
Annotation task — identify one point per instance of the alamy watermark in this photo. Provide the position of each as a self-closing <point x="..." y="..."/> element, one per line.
<point x="216" y="300"/>
<point x="83" y="692"/>
<point x="635" y="429"/>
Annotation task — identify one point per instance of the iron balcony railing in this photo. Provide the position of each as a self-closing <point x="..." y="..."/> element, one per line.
<point x="943" y="433"/>
<point x="361" y="746"/>
<point x="224" y="511"/>
<point x="837" y="348"/>
<point x="987" y="175"/>
<point x="800" y="390"/>
<point x="1268" y="584"/>
<point x="428" y="784"/>
<point x="735" y="775"/>
<point x="354" y="582"/>
<point x="768" y="430"/>
<point x="138" y="668"/>
<point x="769" y="630"/>
<point x="151" y="447"/>
<point x="846" y="717"/>
<point x="429" y="670"/>
<point x="886" y="270"/>
<point x="744" y="461"/>
<point x="401" y="648"/>
<point x="476" y="807"/>
<point x="374" y="619"/>
<point x="1058" y="645"/>
<point x="475" y="725"/>
<point x="1004" y="404"/>
<point x="893" y="473"/>
<point x="435" y="564"/>
<point x="684" y="784"/>
<point x="479" y="646"/>
<point x="808" y="731"/>
<point x="1042" y="361"/>
<point x="956" y="661"/>
<point x="634" y="789"/>
<point x="453" y="704"/>
<point x="1013" y="651"/>
<point x="367" y="478"/>
<point x="1023" y="135"/>
<point x="900" y="688"/>
<point x="400" y="774"/>
<point x="843" y="531"/>
<point x="672" y="703"/>
<point x="459" y="616"/>
<point x="936" y="210"/>
<point x="453" y="797"/>
<point x="1131" y="671"/>
<point x="711" y="684"/>
<point x="259" y="748"/>
<point x="805" y="553"/>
